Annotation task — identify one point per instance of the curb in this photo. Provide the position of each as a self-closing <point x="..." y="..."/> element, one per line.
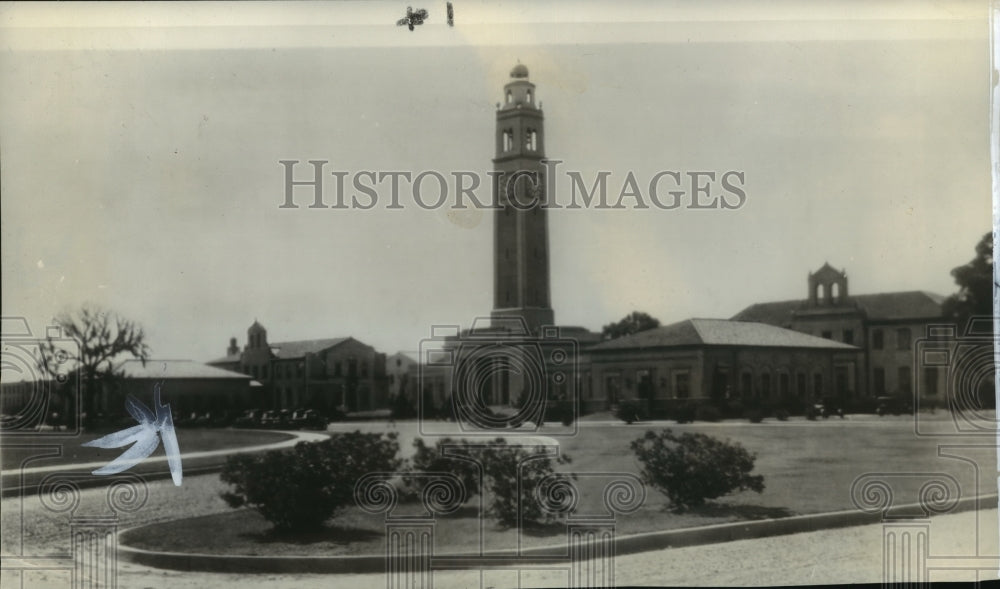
<point x="151" y="469"/>
<point x="557" y="554"/>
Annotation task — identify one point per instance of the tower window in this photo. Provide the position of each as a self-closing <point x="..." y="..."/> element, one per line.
<point x="508" y="140"/>
<point x="529" y="96"/>
<point x="532" y="140"/>
<point x="509" y="96"/>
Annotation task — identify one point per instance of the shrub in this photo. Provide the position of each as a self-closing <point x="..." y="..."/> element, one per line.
<point x="692" y="468"/>
<point x="503" y="466"/>
<point x="755" y="415"/>
<point x="514" y="500"/>
<point x="299" y="489"/>
<point x="427" y="459"/>
<point x="811" y="413"/>
<point x="707" y="413"/>
<point x="629" y="411"/>
<point x="781" y="414"/>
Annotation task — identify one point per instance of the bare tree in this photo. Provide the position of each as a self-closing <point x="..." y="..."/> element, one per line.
<point x="106" y="340"/>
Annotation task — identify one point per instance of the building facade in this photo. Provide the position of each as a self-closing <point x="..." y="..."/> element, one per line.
<point x="335" y="374"/>
<point x="702" y="360"/>
<point x="885" y="326"/>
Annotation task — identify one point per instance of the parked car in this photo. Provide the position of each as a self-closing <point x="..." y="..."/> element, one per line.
<point x="250" y="418"/>
<point x="831" y="406"/>
<point x="896" y="405"/>
<point x="276" y="418"/>
<point x="308" y="419"/>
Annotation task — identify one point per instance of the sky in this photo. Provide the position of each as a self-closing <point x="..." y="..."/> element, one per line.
<point x="140" y="150"/>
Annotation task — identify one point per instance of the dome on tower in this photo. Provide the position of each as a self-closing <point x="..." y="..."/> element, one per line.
<point x="519" y="71"/>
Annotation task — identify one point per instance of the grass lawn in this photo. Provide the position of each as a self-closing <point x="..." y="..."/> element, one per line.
<point x="73" y="452"/>
<point x="807" y="468"/>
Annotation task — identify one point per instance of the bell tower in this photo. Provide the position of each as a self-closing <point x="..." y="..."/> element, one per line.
<point x="520" y="248"/>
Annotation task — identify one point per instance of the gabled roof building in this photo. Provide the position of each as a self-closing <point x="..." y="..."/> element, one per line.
<point x="329" y="374"/>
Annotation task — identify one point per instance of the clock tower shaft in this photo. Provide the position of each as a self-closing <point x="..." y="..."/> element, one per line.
<point x="521" y="249"/>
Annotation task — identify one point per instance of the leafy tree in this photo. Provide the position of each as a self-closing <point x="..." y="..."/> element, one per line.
<point x="975" y="299"/>
<point x="632" y="323"/>
<point x="975" y="281"/>
<point x="106" y="340"/>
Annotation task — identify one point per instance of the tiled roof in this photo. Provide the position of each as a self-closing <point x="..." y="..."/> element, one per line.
<point x="914" y="304"/>
<point x="288" y="350"/>
<point x="719" y="332"/>
<point x="168" y="369"/>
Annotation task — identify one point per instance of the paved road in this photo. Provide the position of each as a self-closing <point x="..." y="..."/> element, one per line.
<point x="847" y="555"/>
<point x="850" y="555"/>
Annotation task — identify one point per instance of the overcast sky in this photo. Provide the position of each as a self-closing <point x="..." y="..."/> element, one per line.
<point x="139" y="156"/>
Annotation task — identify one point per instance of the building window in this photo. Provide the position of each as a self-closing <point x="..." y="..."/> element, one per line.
<point x="903" y="338"/>
<point x="903" y="377"/>
<point x="746" y="384"/>
<point x="878" y="339"/>
<point x="800" y="384"/>
<point x="264" y="372"/>
<point x="336" y="368"/>
<point x="765" y="384"/>
<point x="828" y="334"/>
<point x="930" y="380"/>
<point x="682" y="385"/>
<point x="817" y="384"/>
<point x="364" y="368"/>
<point x="784" y="384"/>
<point x="848" y="336"/>
<point x="878" y="380"/>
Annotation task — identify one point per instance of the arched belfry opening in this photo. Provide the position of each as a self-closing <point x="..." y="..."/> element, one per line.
<point x="827" y="287"/>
